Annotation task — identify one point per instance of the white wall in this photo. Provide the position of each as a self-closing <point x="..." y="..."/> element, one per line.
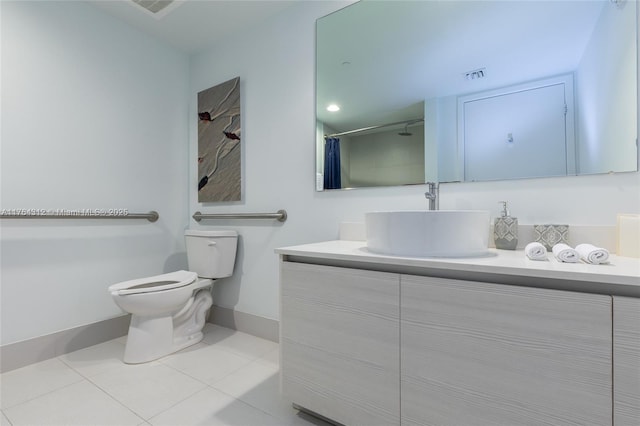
<point x="276" y="65"/>
<point x="93" y="116"/>
<point x="601" y="84"/>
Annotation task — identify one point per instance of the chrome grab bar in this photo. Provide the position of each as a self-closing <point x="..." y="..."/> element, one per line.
<point x="280" y="215"/>
<point x="152" y="216"/>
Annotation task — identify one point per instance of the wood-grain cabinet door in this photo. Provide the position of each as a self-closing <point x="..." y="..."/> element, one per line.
<point x="626" y="361"/>
<point x="487" y="354"/>
<point x="339" y="343"/>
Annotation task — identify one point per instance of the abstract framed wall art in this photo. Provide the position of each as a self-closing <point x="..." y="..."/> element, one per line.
<point x="219" y="148"/>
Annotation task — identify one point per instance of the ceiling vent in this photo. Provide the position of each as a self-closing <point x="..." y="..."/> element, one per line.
<point x="153" y="6"/>
<point x="475" y="74"/>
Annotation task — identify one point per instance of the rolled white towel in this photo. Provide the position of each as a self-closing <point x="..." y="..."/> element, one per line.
<point x="535" y="251"/>
<point x="564" y="253"/>
<point x="592" y="254"/>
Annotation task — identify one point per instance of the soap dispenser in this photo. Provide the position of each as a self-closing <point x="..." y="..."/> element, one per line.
<point x="505" y="230"/>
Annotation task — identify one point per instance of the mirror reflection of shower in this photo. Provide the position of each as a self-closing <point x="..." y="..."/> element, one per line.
<point x="375" y="155"/>
<point x="377" y="128"/>
<point x="405" y="132"/>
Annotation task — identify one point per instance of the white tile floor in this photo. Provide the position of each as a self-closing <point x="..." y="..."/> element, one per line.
<point x="230" y="378"/>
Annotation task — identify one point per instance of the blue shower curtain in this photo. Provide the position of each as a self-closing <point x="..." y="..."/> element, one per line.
<point x="332" y="163"/>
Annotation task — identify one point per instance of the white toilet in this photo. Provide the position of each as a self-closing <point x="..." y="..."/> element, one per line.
<point x="168" y="311"/>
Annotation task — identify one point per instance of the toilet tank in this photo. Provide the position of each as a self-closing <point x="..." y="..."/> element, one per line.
<point x="211" y="254"/>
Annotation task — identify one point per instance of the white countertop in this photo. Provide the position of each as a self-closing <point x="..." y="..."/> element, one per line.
<point x="624" y="271"/>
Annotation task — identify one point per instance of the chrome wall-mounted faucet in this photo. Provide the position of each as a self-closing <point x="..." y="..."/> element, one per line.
<point x="433" y="195"/>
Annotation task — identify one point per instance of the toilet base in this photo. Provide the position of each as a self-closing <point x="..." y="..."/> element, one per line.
<point x="151" y="338"/>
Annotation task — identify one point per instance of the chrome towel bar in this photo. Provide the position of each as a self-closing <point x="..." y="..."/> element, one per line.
<point x="152" y="216"/>
<point x="280" y="215"/>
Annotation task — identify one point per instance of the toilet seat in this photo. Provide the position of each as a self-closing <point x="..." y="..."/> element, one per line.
<point x="156" y="283"/>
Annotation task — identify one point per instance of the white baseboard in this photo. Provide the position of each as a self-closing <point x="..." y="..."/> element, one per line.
<point x="26" y="352"/>
<point x="247" y="323"/>
<point x="23" y="353"/>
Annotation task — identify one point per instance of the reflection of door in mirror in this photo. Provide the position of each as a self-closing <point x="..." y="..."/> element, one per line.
<point x="524" y="131"/>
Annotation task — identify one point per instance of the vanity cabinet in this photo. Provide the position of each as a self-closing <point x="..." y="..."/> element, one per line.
<point x="339" y="343"/>
<point x="626" y="356"/>
<point x="476" y="353"/>
<point x="365" y="347"/>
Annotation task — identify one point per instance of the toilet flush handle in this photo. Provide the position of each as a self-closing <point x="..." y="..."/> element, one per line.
<point x="211" y="243"/>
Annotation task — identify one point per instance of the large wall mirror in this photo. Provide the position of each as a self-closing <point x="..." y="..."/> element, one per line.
<point x="449" y="91"/>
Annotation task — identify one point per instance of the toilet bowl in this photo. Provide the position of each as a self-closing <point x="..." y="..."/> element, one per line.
<point x="168" y="311"/>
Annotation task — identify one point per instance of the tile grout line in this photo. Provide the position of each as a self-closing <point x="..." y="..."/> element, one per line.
<point x="235" y="398"/>
<point x="260" y="359"/>
<point x="176" y="403"/>
<point x="88" y="379"/>
<point x="105" y="392"/>
<point x="81" y="379"/>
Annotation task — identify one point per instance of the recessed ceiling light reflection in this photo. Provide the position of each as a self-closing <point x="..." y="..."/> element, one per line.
<point x="333" y="108"/>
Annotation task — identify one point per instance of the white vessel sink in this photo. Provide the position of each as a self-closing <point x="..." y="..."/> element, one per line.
<point x="423" y="233"/>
